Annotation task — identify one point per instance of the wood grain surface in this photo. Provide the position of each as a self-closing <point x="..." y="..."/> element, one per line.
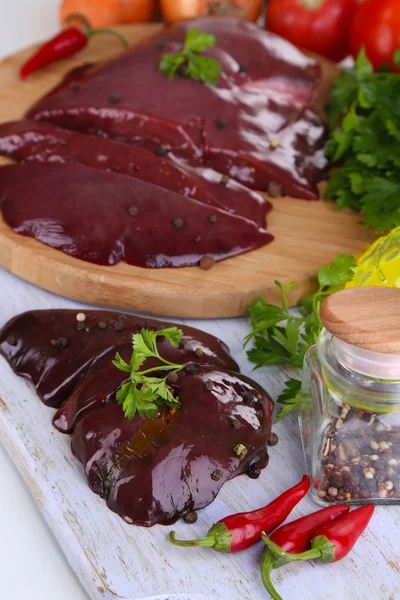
<point x="114" y="560"/>
<point x="366" y="317"/>
<point x="308" y="234"/>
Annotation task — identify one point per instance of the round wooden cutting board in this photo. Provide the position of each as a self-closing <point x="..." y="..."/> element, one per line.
<point x="307" y="234"/>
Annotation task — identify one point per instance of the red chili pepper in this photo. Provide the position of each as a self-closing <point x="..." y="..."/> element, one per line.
<point x="240" y="531"/>
<point x="296" y="537"/>
<point x="65" y="44"/>
<point x="331" y="542"/>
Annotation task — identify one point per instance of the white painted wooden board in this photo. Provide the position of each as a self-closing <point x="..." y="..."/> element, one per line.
<point x="114" y="560"/>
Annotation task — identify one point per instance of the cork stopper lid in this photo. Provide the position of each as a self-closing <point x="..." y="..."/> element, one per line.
<point x="365" y="317"/>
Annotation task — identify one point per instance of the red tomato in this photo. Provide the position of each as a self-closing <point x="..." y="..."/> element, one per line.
<point x="376" y="26"/>
<point x="321" y="26"/>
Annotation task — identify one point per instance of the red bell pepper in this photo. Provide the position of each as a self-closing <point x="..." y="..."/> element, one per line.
<point x="296" y="537"/>
<point x="238" y="532"/>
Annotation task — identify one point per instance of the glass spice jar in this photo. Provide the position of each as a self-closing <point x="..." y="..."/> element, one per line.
<point x="350" y="416"/>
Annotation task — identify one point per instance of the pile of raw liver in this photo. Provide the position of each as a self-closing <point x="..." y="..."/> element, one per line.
<point x="125" y="125"/>
<point x="148" y="470"/>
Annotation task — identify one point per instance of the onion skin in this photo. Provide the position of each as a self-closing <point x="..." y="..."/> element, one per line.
<point x="180" y="10"/>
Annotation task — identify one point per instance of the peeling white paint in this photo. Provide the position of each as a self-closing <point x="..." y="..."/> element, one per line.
<point x="115" y="560"/>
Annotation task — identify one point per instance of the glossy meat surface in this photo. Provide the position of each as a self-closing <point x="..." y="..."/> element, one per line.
<point x="264" y="98"/>
<point x="104" y="218"/>
<point x="148" y="470"/>
<point x="26" y="342"/>
<point x="153" y="471"/>
<point x="29" y="141"/>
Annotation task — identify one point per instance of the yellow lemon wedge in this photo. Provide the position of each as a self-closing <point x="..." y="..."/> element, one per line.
<point x="380" y="263"/>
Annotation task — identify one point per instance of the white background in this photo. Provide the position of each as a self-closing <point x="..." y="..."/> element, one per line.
<point x="31" y="564"/>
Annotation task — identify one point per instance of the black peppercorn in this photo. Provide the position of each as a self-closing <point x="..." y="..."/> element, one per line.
<point x="253" y="472"/>
<point x="102" y="325"/>
<point x="207" y="262"/>
<point x="177" y="223"/>
<point x="118" y="326"/>
<point x="143" y="323"/>
<point x="274" y="190"/>
<point x="80" y="326"/>
<point x="190" y="517"/>
<point x="132" y="211"/>
<point x="217" y="475"/>
<point x="172" y="377"/>
<point x="161" y="151"/>
<point x="190" y="368"/>
<point x="113" y="99"/>
<point x="208" y="385"/>
<point x="272" y="439"/>
<point x="221" y="123"/>
<point x="249" y="398"/>
<point x="61" y="342"/>
<point x="182" y="71"/>
<point x="225" y="179"/>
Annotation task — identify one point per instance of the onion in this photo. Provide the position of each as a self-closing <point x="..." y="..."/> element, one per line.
<point x="178" y="10"/>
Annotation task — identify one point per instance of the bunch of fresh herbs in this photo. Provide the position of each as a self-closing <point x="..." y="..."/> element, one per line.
<point x="282" y="338"/>
<point x="364" y="116"/>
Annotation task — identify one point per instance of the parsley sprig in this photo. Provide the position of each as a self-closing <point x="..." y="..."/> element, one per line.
<point x="365" y="119"/>
<point x="143" y="394"/>
<point x="201" y="68"/>
<point x="282" y="338"/>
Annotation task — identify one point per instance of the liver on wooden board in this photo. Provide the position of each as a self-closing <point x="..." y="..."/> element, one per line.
<point x="307" y="234"/>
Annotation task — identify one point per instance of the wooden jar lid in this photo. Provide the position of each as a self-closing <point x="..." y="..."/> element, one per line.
<point x="366" y="317"/>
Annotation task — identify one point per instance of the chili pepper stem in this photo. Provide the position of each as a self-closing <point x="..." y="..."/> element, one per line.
<point x="91" y="32"/>
<point x="268" y="563"/>
<point x="206" y="542"/>
<point x="312" y="554"/>
<point x="218" y="537"/>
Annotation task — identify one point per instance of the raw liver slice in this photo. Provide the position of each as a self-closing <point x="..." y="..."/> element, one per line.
<point x="84" y="213"/>
<point x="29" y="141"/>
<point x="155" y="471"/>
<point x="148" y="471"/>
<point x="270" y="99"/>
<point x="55" y="372"/>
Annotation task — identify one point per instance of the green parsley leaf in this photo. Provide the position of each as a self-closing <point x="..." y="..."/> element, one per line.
<point x="170" y="63"/>
<point x="363" y="68"/>
<point x="199" y="42"/>
<point x="290" y="397"/>
<point x="281" y="338"/>
<point x="200" y="68"/>
<point x="364" y="143"/>
<point x="143" y="394"/>
<point x="203" y="69"/>
<point x="338" y="272"/>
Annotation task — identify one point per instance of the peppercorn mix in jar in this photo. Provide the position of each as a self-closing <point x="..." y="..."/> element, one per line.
<point x="350" y="418"/>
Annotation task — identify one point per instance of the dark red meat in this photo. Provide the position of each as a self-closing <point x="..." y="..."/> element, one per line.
<point x="85" y="213"/>
<point x="55" y="373"/>
<point x="265" y="96"/>
<point x="29" y="141"/>
<point x="148" y="471"/>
